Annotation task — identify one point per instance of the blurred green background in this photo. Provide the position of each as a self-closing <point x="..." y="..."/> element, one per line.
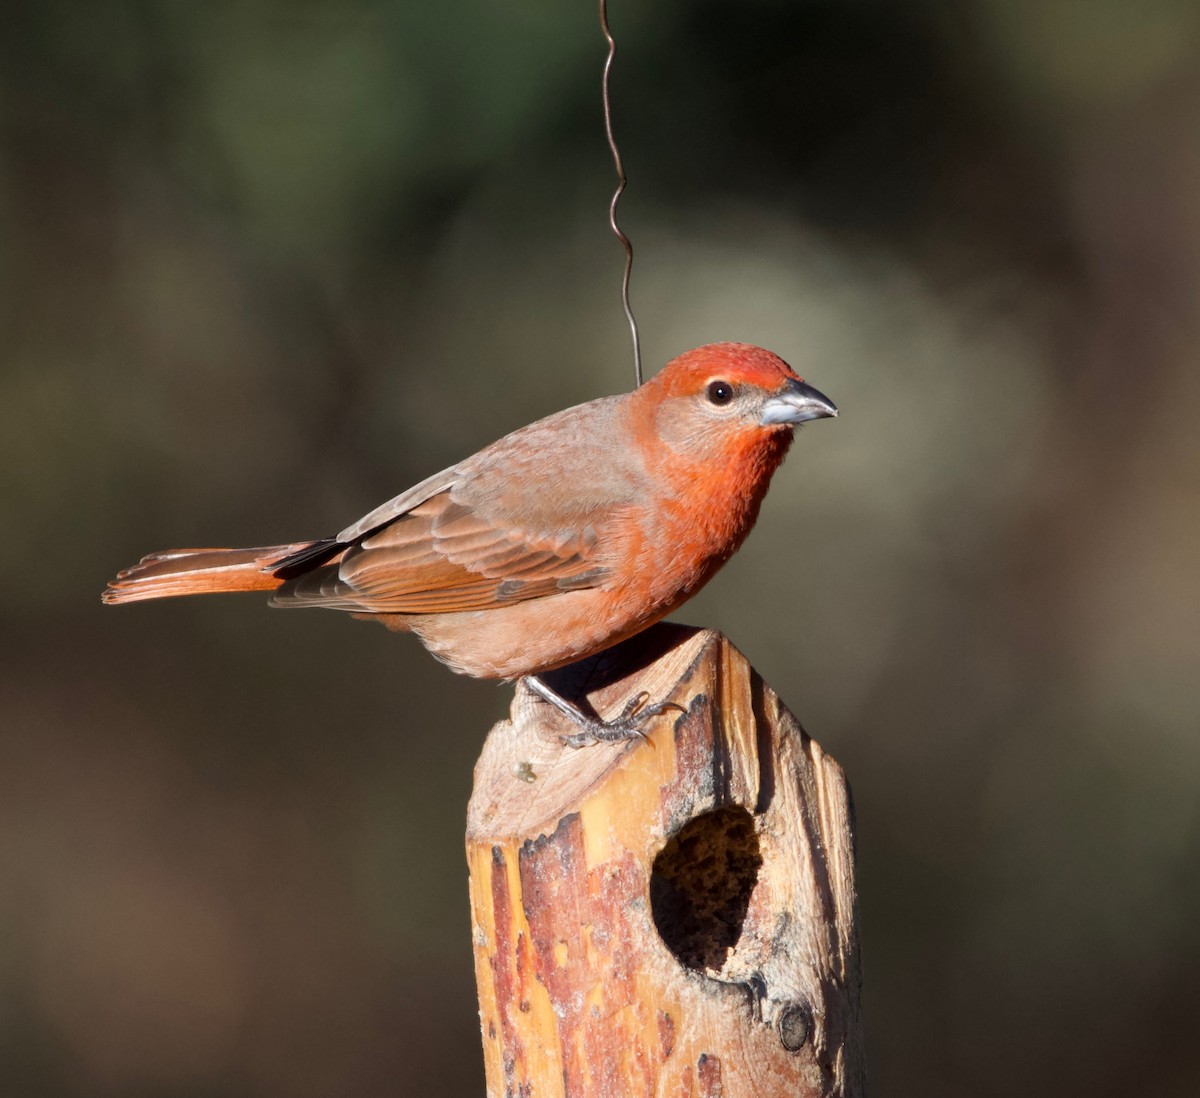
<point x="265" y="264"/>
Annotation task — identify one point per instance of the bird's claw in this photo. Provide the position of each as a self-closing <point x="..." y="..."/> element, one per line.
<point x="626" y="726"/>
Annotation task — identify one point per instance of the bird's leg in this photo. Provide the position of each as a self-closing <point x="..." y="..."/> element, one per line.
<point x="626" y="726"/>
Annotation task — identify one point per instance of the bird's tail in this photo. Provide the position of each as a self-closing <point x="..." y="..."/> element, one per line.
<point x="201" y="571"/>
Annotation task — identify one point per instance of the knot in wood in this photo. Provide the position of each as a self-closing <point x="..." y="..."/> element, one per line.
<point x="794" y="1026"/>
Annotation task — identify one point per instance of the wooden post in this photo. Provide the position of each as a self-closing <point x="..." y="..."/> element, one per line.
<point x="672" y="917"/>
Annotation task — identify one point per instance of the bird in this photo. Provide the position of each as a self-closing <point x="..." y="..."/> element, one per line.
<point x="555" y="542"/>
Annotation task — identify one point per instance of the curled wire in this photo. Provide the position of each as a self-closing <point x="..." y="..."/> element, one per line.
<point x="621" y="181"/>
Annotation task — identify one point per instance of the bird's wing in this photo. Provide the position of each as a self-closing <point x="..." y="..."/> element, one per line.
<point x="445" y="555"/>
<point x="399" y="505"/>
<point x="532" y="515"/>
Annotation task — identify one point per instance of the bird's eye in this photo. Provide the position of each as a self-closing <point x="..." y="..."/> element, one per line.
<point x="720" y="392"/>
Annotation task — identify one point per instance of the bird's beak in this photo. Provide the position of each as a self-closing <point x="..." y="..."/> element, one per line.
<point x="796" y="403"/>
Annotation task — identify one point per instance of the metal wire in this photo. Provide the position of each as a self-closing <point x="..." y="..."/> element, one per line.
<point x="621" y="181"/>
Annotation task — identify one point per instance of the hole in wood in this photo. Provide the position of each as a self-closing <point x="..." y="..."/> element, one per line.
<point x="701" y="884"/>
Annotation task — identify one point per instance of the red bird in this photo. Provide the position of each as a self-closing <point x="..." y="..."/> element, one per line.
<point x="553" y="543"/>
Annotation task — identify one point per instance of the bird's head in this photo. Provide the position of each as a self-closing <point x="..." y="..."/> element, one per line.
<point x="729" y="399"/>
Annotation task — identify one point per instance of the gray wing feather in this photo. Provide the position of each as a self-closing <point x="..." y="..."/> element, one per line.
<point x="399" y="505"/>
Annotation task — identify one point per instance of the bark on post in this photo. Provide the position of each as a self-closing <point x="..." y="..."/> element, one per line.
<point x="673" y="917"/>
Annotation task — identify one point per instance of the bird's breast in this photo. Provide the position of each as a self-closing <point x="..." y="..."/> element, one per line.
<point x="705" y="513"/>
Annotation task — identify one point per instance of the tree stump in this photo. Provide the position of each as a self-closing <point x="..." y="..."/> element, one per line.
<point x="669" y="917"/>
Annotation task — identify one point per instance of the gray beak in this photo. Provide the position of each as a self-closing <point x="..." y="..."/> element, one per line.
<point x="796" y="403"/>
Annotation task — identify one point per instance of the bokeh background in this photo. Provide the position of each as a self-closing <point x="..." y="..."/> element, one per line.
<point x="265" y="264"/>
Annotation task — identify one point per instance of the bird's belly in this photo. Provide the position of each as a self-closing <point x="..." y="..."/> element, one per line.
<point x="530" y="637"/>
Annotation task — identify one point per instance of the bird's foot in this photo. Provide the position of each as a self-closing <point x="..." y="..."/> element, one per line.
<point x="627" y="725"/>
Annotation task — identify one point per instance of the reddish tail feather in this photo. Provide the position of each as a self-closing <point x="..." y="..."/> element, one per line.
<point x="201" y="571"/>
